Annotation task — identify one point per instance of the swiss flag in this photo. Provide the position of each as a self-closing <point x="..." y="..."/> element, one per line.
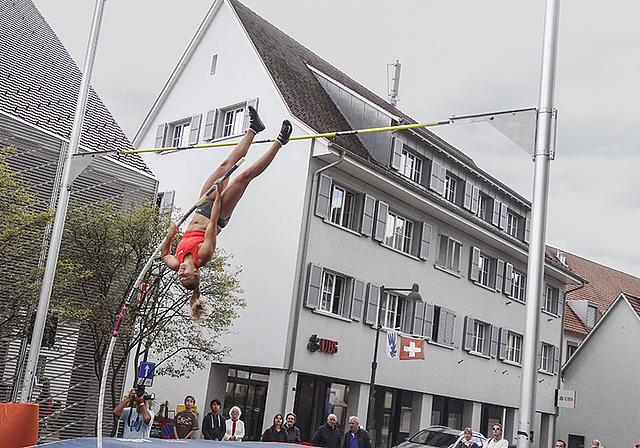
<point x="411" y="348"/>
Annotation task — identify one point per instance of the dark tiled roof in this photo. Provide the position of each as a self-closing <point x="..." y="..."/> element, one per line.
<point x="605" y="284"/>
<point x="634" y="302"/>
<point x="39" y="83"/>
<point x="287" y="62"/>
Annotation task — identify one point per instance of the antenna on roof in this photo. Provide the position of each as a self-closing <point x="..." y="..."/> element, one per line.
<point x="395" y="82"/>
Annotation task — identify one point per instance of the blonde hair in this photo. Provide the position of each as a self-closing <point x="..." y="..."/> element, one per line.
<point x="197" y="307"/>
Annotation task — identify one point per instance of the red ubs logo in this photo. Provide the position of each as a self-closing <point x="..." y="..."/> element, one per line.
<point x="324" y="345"/>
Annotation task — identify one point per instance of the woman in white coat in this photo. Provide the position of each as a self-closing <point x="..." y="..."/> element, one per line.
<point x="235" y="426"/>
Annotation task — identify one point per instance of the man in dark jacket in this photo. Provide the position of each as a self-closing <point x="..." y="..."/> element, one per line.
<point x="356" y="437"/>
<point x="328" y="435"/>
<point x="213" y="425"/>
<point x="293" y="433"/>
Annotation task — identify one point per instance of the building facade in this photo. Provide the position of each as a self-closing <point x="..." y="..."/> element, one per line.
<point x="334" y="223"/>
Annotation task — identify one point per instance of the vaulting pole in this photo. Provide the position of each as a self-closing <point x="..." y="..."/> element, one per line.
<point x="61" y="210"/>
<point x="535" y="269"/>
<point x="132" y="293"/>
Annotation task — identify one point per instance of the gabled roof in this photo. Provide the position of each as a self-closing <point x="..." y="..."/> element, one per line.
<point x="39" y="83"/>
<point x="604" y="287"/>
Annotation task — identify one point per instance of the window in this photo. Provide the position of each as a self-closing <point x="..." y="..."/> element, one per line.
<point x="229" y="120"/>
<point x="551" y="300"/>
<point x="480" y="337"/>
<point x="512" y="224"/>
<point x="335" y="293"/>
<point x="571" y="349"/>
<point x="214" y="64"/>
<point x="486" y="270"/>
<point x="410" y="166"/>
<point x="549" y="358"/>
<point x="442" y="328"/>
<point x="518" y="286"/>
<point x="399" y="233"/>
<point x="514" y="347"/>
<point x="392" y="311"/>
<point x="592" y="316"/>
<point x="484" y="207"/>
<point x="343" y="207"/>
<point x="449" y="254"/>
<point x="450" y="188"/>
<point x="179" y="135"/>
<point x="233" y="122"/>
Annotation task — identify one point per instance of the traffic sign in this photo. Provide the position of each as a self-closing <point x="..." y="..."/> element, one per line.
<point x="145" y="375"/>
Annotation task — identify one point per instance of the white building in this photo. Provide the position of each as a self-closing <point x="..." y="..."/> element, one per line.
<point x="329" y="223"/>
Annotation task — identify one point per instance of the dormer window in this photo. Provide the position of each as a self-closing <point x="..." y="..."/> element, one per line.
<point x="410" y="166"/>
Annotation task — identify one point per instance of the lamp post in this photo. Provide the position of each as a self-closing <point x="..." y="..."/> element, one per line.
<point x="414" y="296"/>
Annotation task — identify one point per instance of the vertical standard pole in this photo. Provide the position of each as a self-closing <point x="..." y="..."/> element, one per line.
<point x="61" y="210"/>
<point x="374" y="366"/>
<point x="535" y="271"/>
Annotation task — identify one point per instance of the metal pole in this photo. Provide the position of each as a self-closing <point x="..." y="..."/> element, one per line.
<point x="372" y="382"/>
<point x="61" y="210"/>
<point x="535" y="271"/>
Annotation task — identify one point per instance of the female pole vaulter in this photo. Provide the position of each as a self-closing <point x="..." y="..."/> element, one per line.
<point x="199" y="241"/>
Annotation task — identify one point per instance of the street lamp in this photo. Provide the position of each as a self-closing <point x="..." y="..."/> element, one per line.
<point x="413" y="296"/>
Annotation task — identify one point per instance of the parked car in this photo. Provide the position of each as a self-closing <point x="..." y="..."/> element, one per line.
<point x="440" y="437"/>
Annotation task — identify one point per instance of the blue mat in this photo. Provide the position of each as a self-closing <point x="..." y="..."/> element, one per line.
<point x="108" y="442"/>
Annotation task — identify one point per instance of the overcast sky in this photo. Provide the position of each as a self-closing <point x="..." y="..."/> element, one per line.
<point x="458" y="57"/>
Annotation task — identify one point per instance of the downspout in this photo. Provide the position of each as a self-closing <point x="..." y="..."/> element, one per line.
<point x="302" y="263"/>
<point x="566" y="293"/>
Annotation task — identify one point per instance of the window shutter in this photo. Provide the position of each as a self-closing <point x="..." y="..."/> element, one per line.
<point x="357" y="302"/>
<point x="438" y="173"/>
<point x="468" y="332"/>
<point x="504" y="340"/>
<point x="499" y="275"/>
<point x="442" y="250"/>
<point x="323" y="200"/>
<point x="447" y="320"/>
<point x="247" y="119"/>
<point x="457" y="249"/>
<point x="560" y="303"/>
<point x="396" y="153"/>
<point x="495" y="333"/>
<point x="540" y="355"/>
<point x="428" y="321"/>
<point x="373" y="299"/>
<point x="508" y="279"/>
<point x="495" y="218"/>
<point x="368" y="215"/>
<point x="474" y="269"/>
<point x="194" y="129"/>
<point x="210" y="124"/>
<point x="425" y="243"/>
<point x="475" y="200"/>
<point x="527" y="229"/>
<point x="503" y="217"/>
<point x="160" y="135"/>
<point x="556" y="359"/>
<point x="468" y="195"/>
<point x="315" y="286"/>
<point x="418" y="319"/>
<point x="381" y="221"/>
<point x="409" y="313"/>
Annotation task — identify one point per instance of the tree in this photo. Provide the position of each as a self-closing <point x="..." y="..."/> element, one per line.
<point x="111" y="247"/>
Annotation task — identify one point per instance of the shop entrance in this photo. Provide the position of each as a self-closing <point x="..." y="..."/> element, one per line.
<point x="391" y="417"/>
<point x="247" y="389"/>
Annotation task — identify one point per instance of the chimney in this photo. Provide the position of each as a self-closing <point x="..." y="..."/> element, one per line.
<point x="395" y="83"/>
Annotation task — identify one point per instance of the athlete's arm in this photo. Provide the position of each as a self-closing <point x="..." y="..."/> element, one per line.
<point x="168" y="259"/>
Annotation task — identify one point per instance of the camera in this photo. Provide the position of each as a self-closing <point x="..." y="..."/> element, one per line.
<point x="140" y="392"/>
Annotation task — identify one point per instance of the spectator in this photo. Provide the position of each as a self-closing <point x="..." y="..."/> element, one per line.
<point x="185" y="423"/>
<point x="235" y="426"/>
<point x="328" y="435"/>
<point x="561" y="444"/>
<point x="356" y="437"/>
<point x="276" y="433"/>
<point x="595" y="444"/>
<point x="213" y="426"/>
<point x="467" y="442"/>
<point x="497" y="441"/>
<point x="136" y="416"/>
<point x="293" y="432"/>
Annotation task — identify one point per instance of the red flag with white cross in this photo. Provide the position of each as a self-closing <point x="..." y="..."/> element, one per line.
<point x="411" y="348"/>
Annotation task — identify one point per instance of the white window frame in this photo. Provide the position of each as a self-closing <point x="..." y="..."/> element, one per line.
<point x="514" y="347"/>
<point x="449" y="251"/>
<point x="392" y="311"/>
<point x="513" y="224"/>
<point x="546" y="357"/>
<point x="342" y="209"/>
<point x="410" y="166"/>
<point x="343" y="299"/>
<point x="183" y="129"/>
<point x="399" y="232"/>
<point x="551" y="300"/>
<point x="333" y="296"/>
<point x="518" y="286"/>
<point x="233" y="121"/>
<point x="450" y="188"/>
<point x="479" y="337"/>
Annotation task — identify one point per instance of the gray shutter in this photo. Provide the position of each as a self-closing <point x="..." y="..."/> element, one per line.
<point x="474" y="269"/>
<point x="381" y="221"/>
<point x="495" y="333"/>
<point x="560" y="303"/>
<point x="396" y="153"/>
<point x="247" y="119"/>
<point x="527" y="229"/>
<point x="447" y="319"/>
<point x="194" y="129"/>
<point x="368" y="215"/>
<point x="540" y="355"/>
<point x="425" y="243"/>
<point x="161" y="133"/>
<point x="315" y="286"/>
<point x="475" y="200"/>
<point x="323" y="200"/>
<point x="508" y="279"/>
<point x="495" y="217"/>
<point x="428" y="320"/>
<point x="409" y="313"/>
<point x="210" y="124"/>
<point x="503" y="217"/>
<point x="556" y="359"/>
<point x="436" y="182"/>
<point x="468" y="195"/>
<point x="357" y="302"/>
<point x="418" y="319"/>
<point x="499" y="275"/>
<point x="442" y="251"/>
<point x="468" y="332"/>
<point x="373" y="299"/>
<point x="504" y="339"/>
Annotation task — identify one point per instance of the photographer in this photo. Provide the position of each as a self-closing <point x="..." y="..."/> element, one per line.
<point x="135" y="415"/>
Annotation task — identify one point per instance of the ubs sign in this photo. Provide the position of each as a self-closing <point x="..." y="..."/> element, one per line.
<point x="323" y="345"/>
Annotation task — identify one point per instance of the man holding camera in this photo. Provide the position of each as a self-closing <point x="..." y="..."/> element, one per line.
<point x="135" y="415"/>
